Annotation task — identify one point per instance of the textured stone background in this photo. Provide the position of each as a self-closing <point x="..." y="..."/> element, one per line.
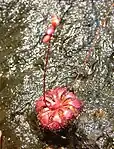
<point x="22" y="25"/>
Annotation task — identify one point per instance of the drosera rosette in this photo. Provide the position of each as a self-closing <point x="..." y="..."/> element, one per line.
<point x="59" y="108"/>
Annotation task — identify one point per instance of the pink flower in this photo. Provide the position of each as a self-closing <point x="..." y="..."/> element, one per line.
<point x="59" y="108"/>
<point x="55" y="21"/>
<point x="50" y="30"/>
<point x="46" y="39"/>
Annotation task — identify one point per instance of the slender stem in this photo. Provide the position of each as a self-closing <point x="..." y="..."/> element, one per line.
<point x="97" y="36"/>
<point x="45" y="69"/>
<point x="88" y="55"/>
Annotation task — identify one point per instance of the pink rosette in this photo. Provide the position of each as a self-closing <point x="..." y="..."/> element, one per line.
<point x="59" y="108"/>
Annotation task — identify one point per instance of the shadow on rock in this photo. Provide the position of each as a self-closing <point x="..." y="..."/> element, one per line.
<point x="71" y="137"/>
